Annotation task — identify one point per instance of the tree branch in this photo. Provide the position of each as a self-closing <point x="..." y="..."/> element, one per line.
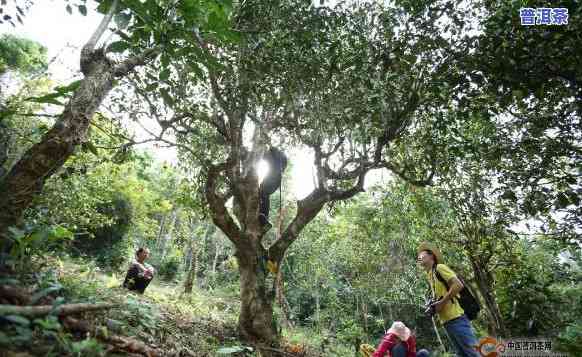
<point x="130" y="63"/>
<point x="402" y="174"/>
<point x="90" y="45"/>
<point x="338" y="195"/>
<point x="217" y="203"/>
<point x="37" y="311"/>
<point x="307" y="210"/>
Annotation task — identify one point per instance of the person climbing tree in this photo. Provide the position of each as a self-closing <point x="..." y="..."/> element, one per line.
<point x="140" y="273"/>
<point x="277" y="162"/>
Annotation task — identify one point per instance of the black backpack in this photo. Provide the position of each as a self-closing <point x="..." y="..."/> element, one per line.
<point x="466" y="299"/>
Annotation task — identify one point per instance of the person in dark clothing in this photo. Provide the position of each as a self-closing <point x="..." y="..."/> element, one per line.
<point x="140" y="273"/>
<point x="277" y="162"/>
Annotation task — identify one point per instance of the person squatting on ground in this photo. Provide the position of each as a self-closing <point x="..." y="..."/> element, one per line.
<point x="140" y="273"/>
<point x="446" y="305"/>
<point x="399" y="342"/>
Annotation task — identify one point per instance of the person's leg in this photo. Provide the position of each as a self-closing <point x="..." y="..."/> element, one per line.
<point x="398" y="350"/>
<point x="462" y="336"/>
<point x="130" y="277"/>
<point x="422" y="353"/>
<point x="454" y="343"/>
<point x="141" y="284"/>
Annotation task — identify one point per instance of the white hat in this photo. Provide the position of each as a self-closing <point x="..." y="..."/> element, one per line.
<point x="399" y="329"/>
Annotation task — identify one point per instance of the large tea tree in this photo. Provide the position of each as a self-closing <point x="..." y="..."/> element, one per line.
<point x="358" y="86"/>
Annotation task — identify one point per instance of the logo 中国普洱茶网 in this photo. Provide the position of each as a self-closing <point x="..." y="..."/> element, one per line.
<point x="517" y="347"/>
<point x="490" y="347"/>
<point x="543" y="16"/>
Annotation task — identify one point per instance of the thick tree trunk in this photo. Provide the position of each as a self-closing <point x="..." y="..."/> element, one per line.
<point x="485" y="285"/>
<point x="27" y="177"/>
<point x="256" y="321"/>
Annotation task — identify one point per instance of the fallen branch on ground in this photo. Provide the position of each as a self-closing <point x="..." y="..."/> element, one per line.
<point x="36" y="311"/>
<point x="278" y="351"/>
<point x="119" y="343"/>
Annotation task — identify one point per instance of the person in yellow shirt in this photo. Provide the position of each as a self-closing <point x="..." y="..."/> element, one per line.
<point x="449" y="311"/>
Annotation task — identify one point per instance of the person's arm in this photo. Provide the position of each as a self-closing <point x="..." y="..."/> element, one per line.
<point x="455" y="286"/>
<point x="385" y="346"/>
<point x="141" y="269"/>
<point x="149" y="271"/>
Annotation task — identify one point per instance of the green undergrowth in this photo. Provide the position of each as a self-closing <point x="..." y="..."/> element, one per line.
<point x="202" y="323"/>
<point x="192" y="324"/>
<point x="197" y="324"/>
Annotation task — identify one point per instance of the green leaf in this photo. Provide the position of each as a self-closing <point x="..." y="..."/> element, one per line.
<point x="518" y="94"/>
<point x="68" y="88"/>
<point x="509" y="195"/>
<point x="118" y="46"/>
<point x="10" y="281"/>
<point x="51" y="322"/>
<point x="69" y="9"/>
<point x="197" y="71"/>
<point x="34" y="299"/>
<point x="48" y="99"/>
<point x="4" y="339"/>
<point x="104" y="6"/>
<point x="60" y="232"/>
<point x="35" y="239"/>
<point x="16" y="233"/>
<point x="152" y="86"/>
<point x="83" y="10"/>
<point x="89" y="146"/>
<point x="20" y="320"/>
<point x="165" y="74"/>
<point x="167" y="97"/>
<point x="122" y="20"/>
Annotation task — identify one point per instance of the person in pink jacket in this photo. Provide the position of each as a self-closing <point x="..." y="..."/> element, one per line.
<point x="399" y="342"/>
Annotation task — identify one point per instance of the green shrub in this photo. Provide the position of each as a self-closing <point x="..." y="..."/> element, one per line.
<point x="570" y="340"/>
<point x="170" y="267"/>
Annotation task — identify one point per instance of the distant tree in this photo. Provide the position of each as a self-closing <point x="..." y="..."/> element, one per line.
<point x="21" y="55"/>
